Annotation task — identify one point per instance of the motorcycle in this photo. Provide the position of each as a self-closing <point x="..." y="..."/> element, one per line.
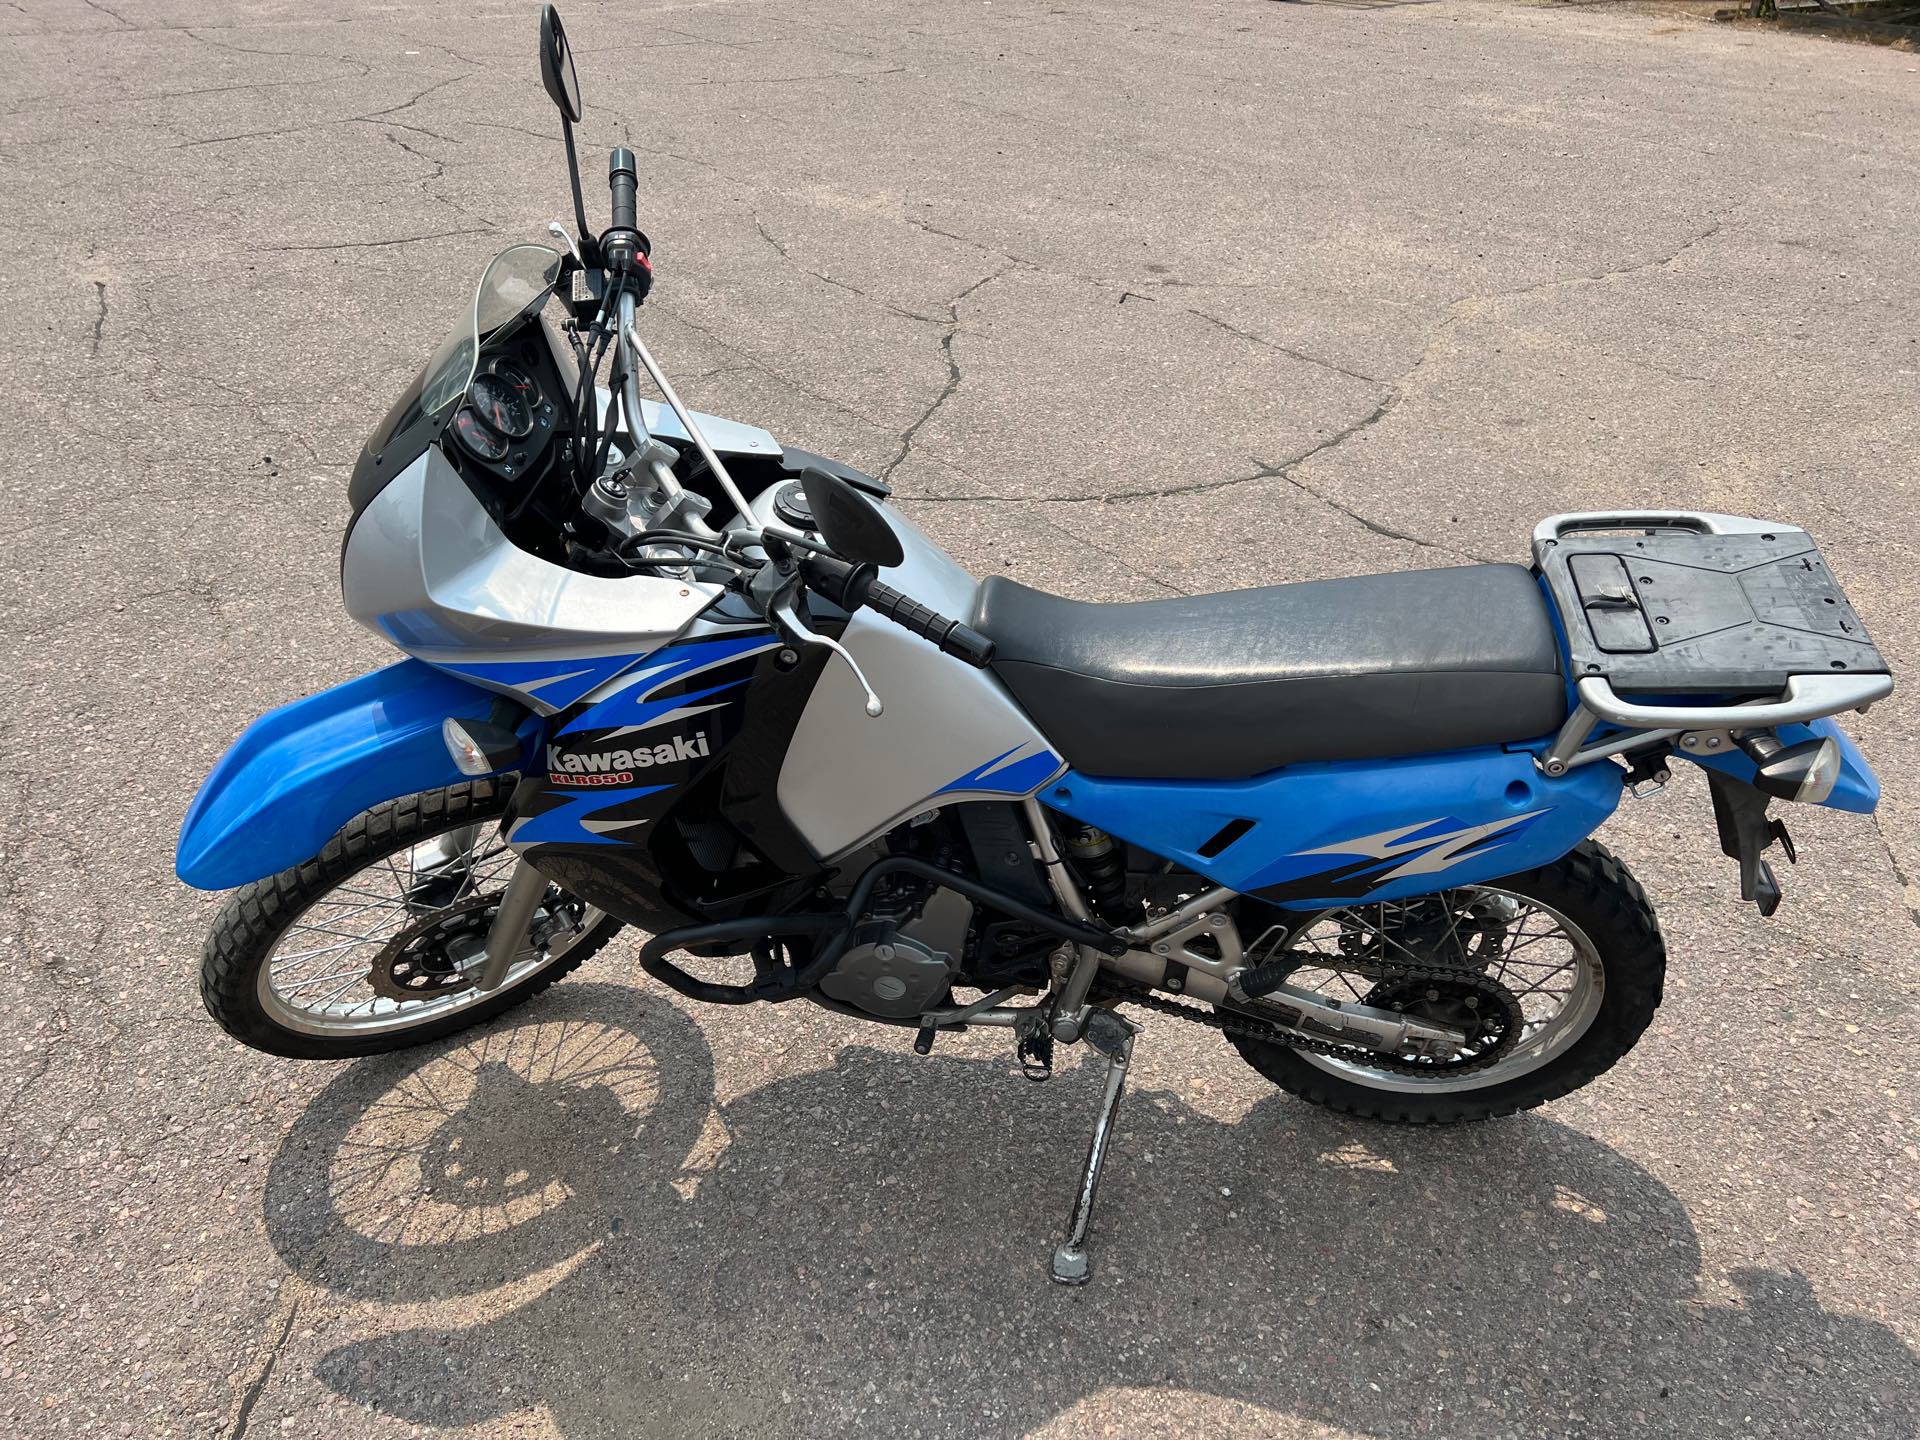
<point x="665" y="671"/>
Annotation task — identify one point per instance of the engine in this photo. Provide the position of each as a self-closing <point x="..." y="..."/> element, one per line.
<point x="904" y="956"/>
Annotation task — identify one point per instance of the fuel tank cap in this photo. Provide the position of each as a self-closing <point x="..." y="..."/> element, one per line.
<point x="790" y="504"/>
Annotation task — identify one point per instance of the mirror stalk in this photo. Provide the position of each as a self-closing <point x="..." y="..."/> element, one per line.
<point x="573" y="175"/>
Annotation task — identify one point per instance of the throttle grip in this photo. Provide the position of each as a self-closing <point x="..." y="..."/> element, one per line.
<point x="960" y="641"/>
<point x="852" y="586"/>
<point x="623" y="181"/>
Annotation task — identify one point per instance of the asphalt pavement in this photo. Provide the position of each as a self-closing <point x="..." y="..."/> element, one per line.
<point x="1126" y="299"/>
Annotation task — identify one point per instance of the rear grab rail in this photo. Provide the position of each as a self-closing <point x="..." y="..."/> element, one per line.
<point x="1703" y="522"/>
<point x="1805" y="698"/>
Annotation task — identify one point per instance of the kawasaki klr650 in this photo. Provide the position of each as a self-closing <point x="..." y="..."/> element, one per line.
<point x="665" y="671"/>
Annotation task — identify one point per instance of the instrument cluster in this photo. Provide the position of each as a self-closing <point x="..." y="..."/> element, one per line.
<point x="507" y="420"/>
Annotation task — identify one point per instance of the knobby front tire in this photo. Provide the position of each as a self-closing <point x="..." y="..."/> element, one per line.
<point x="336" y="912"/>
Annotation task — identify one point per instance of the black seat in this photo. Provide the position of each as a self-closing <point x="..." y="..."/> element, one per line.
<point x="1219" y="686"/>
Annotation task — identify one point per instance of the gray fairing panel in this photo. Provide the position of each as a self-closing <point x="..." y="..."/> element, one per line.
<point x="849" y="776"/>
<point x="427" y="569"/>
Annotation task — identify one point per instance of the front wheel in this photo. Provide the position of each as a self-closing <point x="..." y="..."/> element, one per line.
<point x="1574" y="945"/>
<point x="376" y="942"/>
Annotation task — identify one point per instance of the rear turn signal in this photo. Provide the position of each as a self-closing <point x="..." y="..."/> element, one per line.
<point x="1804" y="772"/>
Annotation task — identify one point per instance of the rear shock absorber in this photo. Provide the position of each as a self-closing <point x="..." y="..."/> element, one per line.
<point x="1102" y="865"/>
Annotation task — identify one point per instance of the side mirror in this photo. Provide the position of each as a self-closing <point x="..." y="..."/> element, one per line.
<point x="556" y="65"/>
<point x="850" y="522"/>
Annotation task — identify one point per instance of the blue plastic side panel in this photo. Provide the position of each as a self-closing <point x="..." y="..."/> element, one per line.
<point x="297" y="774"/>
<point x="1857" y="789"/>
<point x="1331" y="832"/>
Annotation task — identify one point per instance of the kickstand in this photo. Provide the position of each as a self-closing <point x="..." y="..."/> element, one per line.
<point x="1112" y="1037"/>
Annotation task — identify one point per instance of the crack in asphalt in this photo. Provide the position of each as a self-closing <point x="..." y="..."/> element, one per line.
<point x="1655" y="262"/>
<point x="754" y="362"/>
<point x="1899" y="872"/>
<point x="379" y="244"/>
<point x="439" y="173"/>
<point x="108" y="11"/>
<point x="758" y="81"/>
<point x="1285" y="470"/>
<point x="372" y="117"/>
<point x="252" y="1397"/>
<point x="908" y="435"/>
<point x="785" y="253"/>
<point x="99" y="320"/>
<point x="1287" y="350"/>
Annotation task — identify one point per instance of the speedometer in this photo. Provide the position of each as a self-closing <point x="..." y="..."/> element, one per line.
<point x="475" y="435"/>
<point x="505" y="401"/>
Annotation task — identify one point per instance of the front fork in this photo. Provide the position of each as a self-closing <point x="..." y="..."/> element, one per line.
<point x="507" y="936"/>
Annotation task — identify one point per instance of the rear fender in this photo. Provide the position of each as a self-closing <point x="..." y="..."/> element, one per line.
<point x="1857" y="789"/>
<point x="297" y="774"/>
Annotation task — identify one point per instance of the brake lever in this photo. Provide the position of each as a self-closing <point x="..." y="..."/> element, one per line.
<point x="789" y="624"/>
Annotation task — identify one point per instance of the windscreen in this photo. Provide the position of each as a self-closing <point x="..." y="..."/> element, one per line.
<point x="519" y="279"/>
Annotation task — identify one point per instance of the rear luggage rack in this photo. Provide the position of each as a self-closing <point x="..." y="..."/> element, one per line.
<point x="1670" y="605"/>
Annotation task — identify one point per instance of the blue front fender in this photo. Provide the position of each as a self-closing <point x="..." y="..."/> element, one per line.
<point x="297" y="774"/>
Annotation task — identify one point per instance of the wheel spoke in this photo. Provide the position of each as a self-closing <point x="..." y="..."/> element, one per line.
<point x="1496" y="935"/>
<point x="435" y="889"/>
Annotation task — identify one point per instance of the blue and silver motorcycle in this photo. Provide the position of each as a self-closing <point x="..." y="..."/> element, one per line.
<point x="665" y="671"/>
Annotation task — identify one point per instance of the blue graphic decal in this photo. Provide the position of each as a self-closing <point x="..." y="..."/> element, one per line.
<point x="571" y="823"/>
<point x="631" y="709"/>
<point x="677" y="660"/>
<point x="1389" y="855"/>
<point x="589" y="795"/>
<point x="1004" y="775"/>
<point x="559" y="682"/>
<point x="554" y="682"/>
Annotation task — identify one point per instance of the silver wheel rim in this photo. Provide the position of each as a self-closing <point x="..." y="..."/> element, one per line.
<point x="314" y="979"/>
<point x="1546" y="960"/>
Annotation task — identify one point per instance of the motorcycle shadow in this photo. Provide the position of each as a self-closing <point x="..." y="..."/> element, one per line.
<point x="830" y="1253"/>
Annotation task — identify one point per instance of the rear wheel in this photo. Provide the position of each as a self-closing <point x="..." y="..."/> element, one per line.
<point x="375" y="943"/>
<point x="1574" y="945"/>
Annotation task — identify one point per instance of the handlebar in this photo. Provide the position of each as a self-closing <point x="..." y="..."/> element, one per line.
<point x="852" y="586"/>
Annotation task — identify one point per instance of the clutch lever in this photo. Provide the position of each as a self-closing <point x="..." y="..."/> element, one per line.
<point x="792" y="628"/>
<point x="565" y="237"/>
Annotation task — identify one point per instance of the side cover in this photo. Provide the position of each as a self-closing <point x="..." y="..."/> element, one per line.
<point x="297" y="774"/>
<point x="1333" y="832"/>
<point x="949" y="732"/>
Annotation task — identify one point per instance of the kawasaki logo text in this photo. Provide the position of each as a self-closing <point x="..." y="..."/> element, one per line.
<point x="575" y="762"/>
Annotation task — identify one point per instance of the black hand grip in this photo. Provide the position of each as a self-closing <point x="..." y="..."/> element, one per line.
<point x="624" y="181"/>
<point x="951" y="636"/>
<point x="851" y="586"/>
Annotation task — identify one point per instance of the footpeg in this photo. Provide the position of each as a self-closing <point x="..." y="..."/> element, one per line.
<point x="1035" y="1052"/>
<point x="1112" y="1037"/>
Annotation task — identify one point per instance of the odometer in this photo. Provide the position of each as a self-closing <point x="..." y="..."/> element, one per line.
<point x="477" y="437"/>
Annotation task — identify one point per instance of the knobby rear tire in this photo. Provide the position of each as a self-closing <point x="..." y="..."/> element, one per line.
<point x="1595" y="891"/>
<point x="255" y="917"/>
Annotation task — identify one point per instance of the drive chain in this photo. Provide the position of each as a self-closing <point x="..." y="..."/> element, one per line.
<point x="1248" y="1027"/>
